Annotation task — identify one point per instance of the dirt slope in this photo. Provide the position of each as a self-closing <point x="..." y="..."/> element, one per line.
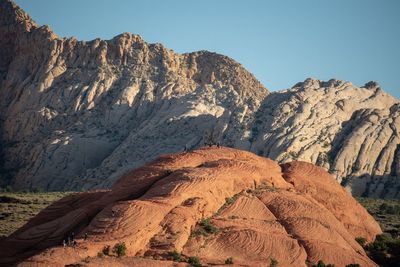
<point x="257" y="210"/>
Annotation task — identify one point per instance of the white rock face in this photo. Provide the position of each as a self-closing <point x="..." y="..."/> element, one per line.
<point x="353" y="132"/>
<point x="77" y="115"/>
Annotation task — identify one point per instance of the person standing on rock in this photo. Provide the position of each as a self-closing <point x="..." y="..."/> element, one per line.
<point x="64" y="243"/>
<point x="85" y="237"/>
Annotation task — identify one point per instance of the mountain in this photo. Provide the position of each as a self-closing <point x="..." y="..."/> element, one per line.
<point x="76" y="115"/>
<point x="73" y="110"/>
<point x="212" y="203"/>
<point x="352" y="132"/>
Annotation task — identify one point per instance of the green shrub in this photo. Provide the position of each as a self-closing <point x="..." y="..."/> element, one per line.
<point x="100" y="255"/>
<point x="385" y="250"/>
<point x="361" y="240"/>
<point x="194" y="261"/>
<point x="353" y="265"/>
<point x="389" y="209"/>
<point x="120" y="249"/>
<point x="273" y="263"/>
<point x="176" y="256"/>
<point x="229" y="260"/>
<point x="106" y="250"/>
<point x="322" y="264"/>
<point x="207" y="226"/>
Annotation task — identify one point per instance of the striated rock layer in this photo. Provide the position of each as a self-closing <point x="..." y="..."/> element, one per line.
<point x="76" y="115"/>
<point x="295" y="213"/>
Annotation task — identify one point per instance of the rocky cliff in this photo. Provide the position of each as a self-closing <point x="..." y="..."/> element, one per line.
<point x="76" y="115"/>
<point x="72" y="110"/>
<point x="212" y="203"/>
<point x="352" y="132"/>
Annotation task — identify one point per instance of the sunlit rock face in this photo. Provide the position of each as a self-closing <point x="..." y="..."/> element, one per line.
<point x="353" y="132"/>
<point x="256" y="211"/>
<point x="77" y="115"/>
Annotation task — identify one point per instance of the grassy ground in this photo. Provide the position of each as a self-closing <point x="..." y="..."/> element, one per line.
<point x="386" y="212"/>
<point x="17" y="208"/>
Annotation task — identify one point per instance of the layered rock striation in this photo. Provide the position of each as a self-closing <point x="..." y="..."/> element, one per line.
<point x="211" y="203"/>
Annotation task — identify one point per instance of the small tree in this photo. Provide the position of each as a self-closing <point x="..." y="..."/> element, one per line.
<point x="120" y="249"/>
<point x="229" y="260"/>
<point x="106" y="250"/>
<point x="194" y="261"/>
<point x="361" y="240"/>
<point x="207" y="226"/>
<point x="176" y="256"/>
<point x="273" y="263"/>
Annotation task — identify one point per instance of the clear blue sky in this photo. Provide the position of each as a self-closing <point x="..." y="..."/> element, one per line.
<point x="281" y="42"/>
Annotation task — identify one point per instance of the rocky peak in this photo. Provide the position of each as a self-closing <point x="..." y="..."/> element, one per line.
<point x="13" y="22"/>
<point x="14" y="17"/>
<point x="371" y="85"/>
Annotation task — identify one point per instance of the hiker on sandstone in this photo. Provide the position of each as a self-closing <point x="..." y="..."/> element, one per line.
<point x="85" y="237"/>
<point x="64" y="243"/>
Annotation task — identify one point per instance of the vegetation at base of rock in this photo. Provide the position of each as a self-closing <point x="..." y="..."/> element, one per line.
<point x="361" y="240"/>
<point x="176" y="256"/>
<point x="229" y="260"/>
<point x="385" y="250"/>
<point x="194" y="261"/>
<point x="322" y="264"/>
<point x="384" y="211"/>
<point x="120" y="249"/>
<point x="16" y="208"/>
<point x="273" y="263"/>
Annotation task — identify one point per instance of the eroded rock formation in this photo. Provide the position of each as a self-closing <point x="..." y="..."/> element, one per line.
<point x="76" y="115"/>
<point x="352" y="132"/>
<point x="72" y="110"/>
<point x="295" y="213"/>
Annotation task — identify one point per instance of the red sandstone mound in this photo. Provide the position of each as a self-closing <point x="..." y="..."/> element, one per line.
<point x="257" y="210"/>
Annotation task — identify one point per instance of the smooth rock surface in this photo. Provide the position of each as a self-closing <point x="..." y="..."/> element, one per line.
<point x="292" y="213"/>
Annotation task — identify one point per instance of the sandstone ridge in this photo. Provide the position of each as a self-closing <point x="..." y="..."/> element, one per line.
<point x="295" y="213"/>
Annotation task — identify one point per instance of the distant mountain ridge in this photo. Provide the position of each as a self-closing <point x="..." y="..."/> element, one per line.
<point x="77" y="115"/>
